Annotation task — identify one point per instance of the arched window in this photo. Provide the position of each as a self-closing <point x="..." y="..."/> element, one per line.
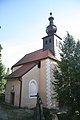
<point x="33" y="88"/>
<point x="49" y="40"/>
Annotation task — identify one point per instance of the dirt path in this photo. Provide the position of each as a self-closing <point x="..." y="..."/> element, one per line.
<point x="3" y="114"/>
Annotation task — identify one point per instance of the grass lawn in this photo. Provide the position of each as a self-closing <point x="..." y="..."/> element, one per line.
<point x="13" y="113"/>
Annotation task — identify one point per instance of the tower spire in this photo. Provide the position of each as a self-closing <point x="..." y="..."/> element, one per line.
<point x="51" y="41"/>
<point x="51" y="19"/>
<point x="51" y="29"/>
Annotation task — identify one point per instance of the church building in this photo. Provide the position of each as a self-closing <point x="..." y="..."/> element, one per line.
<point x="33" y="73"/>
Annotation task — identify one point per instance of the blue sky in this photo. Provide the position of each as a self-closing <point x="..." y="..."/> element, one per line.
<point x="23" y="24"/>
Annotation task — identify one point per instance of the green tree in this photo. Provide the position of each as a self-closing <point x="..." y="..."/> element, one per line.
<point x="67" y="75"/>
<point x="2" y="73"/>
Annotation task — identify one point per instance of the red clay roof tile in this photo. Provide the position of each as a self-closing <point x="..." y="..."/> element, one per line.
<point x="35" y="56"/>
<point x="21" y="71"/>
<point x="29" y="61"/>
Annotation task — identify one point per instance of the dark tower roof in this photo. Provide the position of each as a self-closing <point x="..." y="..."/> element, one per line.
<point x="51" y="28"/>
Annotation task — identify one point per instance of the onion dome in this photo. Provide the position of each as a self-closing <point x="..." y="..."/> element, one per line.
<point x="51" y="29"/>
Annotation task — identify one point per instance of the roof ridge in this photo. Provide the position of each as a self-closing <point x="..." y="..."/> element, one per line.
<point x="50" y="53"/>
<point x="34" y="51"/>
<point x="26" y="55"/>
<point x="35" y="56"/>
<point x="21" y="71"/>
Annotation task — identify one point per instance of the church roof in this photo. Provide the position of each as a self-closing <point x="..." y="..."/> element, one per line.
<point x="21" y="71"/>
<point x="29" y="61"/>
<point x="35" y="56"/>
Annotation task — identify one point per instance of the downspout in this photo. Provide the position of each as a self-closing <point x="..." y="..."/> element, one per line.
<point x="20" y="79"/>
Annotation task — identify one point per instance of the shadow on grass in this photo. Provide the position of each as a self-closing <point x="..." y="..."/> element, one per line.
<point x="14" y="113"/>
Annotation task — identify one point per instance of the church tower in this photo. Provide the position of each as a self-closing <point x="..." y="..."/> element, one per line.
<point x="51" y="40"/>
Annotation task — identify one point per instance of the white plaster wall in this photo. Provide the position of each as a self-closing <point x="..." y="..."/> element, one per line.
<point x="9" y="85"/>
<point x="48" y="83"/>
<point x="53" y="97"/>
<point x="42" y="82"/>
<point x="15" y="68"/>
<point x="50" y="89"/>
<point x="33" y="74"/>
<point x="57" y="44"/>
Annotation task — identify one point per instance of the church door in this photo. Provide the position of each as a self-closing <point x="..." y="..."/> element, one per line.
<point x="12" y="98"/>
